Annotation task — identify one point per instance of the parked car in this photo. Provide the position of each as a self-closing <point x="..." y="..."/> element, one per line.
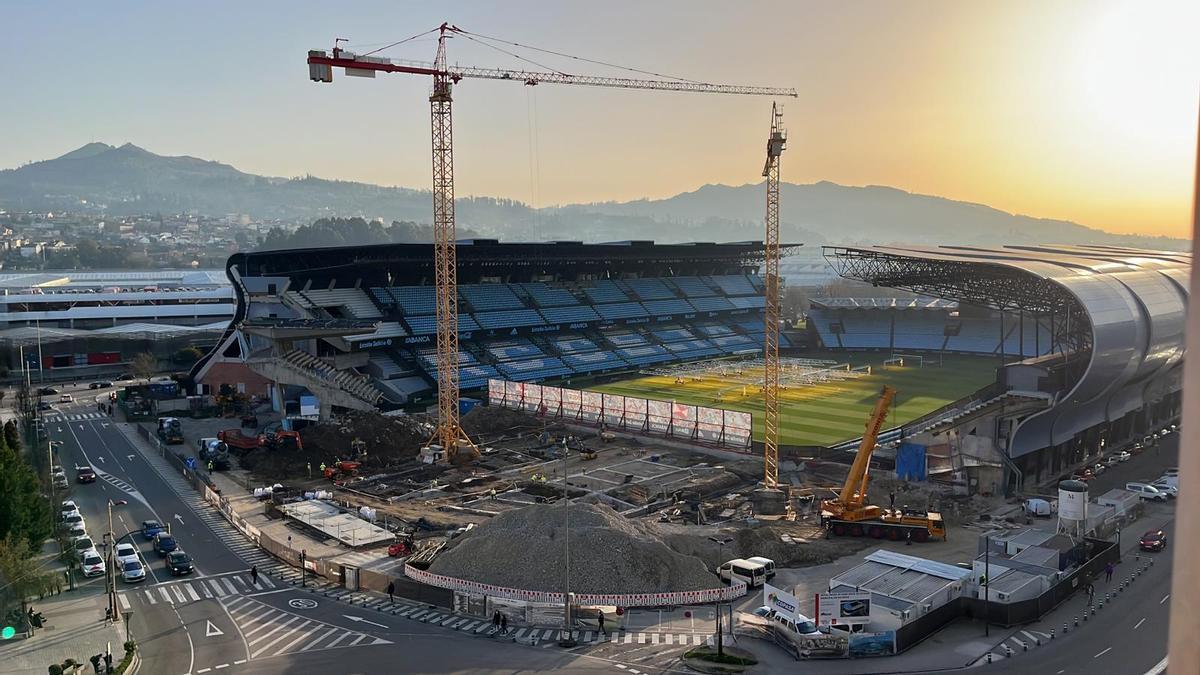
<point x="67" y="506"/>
<point x="1172" y="471"/>
<point x="133" y="571"/>
<point x="151" y="528"/>
<point x="76" y="530"/>
<point x="92" y="564"/>
<point x="164" y="543"/>
<point x="73" y="519"/>
<point x="1147" y="491"/>
<point x="1154" y="540"/>
<point x="44" y="406"/>
<point x="126" y="553"/>
<point x="83" y="544"/>
<point x="1122" y="456"/>
<point x="47" y="391"/>
<point x="66" y="398"/>
<point x="1137" y="448"/>
<point x="103" y="384"/>
<point x="85" y="474"/>
<point x="1172" y="490"/>
<point x="1099" y="468"/>
<point x="1112" y="460"/>
<point x="179" y="563"/>
<point x="125" y="378"/>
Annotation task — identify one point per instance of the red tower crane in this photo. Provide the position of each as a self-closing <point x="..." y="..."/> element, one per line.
<point x="449" y="432"/>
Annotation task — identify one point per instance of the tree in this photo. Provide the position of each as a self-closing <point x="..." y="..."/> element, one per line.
<point x="22" y="573"/>
<point x="795" y="302"/>
<point x="24" y="512"/>
<point x="12" y="435"/>
<point x="187" y="355"/>
<point x="144" y="365"/>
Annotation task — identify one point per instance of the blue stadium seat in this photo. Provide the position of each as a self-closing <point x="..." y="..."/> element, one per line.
<point x="692" y="287"/>
<point x="713" y="304"/>
<point x="664" y="307"/>
<point x="733" y="285"/>
<point x="605" y="291"/>
<point x="487" y="297"/>
<point x="621" y="310"/>
<point x="649" y="289"/>
<point x="751" y="302"/>
<point x="569" y="314"/>
<point x="513" y="318"/>
<point x="549" y="296"/>
<point x="415" y="300"/>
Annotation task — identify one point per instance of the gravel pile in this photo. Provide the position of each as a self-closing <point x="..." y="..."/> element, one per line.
<point x="609" y="554"/>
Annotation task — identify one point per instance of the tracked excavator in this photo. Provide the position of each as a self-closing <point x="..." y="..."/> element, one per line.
<point x="850" y="515"/>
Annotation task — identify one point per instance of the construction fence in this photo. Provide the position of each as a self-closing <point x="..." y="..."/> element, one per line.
<point x="717" y="427"/>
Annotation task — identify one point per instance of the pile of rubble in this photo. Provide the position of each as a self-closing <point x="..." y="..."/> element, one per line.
<point x="525" y="549"/>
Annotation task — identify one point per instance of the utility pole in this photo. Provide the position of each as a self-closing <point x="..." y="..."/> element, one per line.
<point x="570" y="639"/>
<point x="720" y="542"/>
<point x="987" y="581"/>
<point x="111" y="576"/>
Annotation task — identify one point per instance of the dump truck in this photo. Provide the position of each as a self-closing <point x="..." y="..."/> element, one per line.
<point x="849" y="513"/>
<point x="239" y="442"/>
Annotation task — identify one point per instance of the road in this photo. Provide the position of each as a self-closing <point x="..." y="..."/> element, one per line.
<point x="218" y="619"/>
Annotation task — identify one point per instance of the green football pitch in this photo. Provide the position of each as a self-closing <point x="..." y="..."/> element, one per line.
<point x="832" y="412"/>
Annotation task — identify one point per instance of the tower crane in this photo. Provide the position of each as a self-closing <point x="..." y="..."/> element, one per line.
<point x="449" y="432"/>
<point x="776" y="142"/>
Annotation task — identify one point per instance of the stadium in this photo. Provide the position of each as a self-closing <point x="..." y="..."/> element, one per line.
<point x="1013" y="364"/>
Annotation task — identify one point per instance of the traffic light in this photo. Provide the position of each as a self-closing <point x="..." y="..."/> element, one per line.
<point x="8" y="632"/>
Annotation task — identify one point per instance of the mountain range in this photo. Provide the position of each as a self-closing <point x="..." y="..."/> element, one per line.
<point x="127" y="179"/>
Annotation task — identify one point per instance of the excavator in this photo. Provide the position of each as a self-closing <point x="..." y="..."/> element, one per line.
<point x="849" y="514"/>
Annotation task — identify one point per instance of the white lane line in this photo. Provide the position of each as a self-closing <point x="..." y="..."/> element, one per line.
<point x="279" y="639"/>
<point x="1159" y="668"/>
<point x="314" y="643"/>
<point x="150" y="596"/>
<point x="1107" y="650"/>
<point x="1139" y="624"/>
<point x="273" y="631"/>
<point x="232" y="590"/>
<point x="284" y="649"/>
<point x="1165" y="597"/>
<point x="192" y="592"/>
<point x="165" y="596"/>
<point x="179" y="594"/>
<point x="124" y="601"/>
<point x="223" y="665"/>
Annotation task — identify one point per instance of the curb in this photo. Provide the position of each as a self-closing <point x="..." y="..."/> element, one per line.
<point x="135" y="663"/>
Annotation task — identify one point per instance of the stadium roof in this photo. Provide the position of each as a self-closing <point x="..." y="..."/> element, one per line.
<point x="884" y="303"/>
<point x="100" y="278"/>
<point x="1120" y="308"/>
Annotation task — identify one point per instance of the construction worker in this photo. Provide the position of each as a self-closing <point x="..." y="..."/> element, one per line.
<point x="210" y="465"/>
<point x="322" y="468"/>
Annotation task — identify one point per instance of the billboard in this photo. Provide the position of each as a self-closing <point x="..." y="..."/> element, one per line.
<point x="309" y="406"/>
<point x="843" y="608"/>
<point x="784" y="603"/>
<point x="712" y="426"/>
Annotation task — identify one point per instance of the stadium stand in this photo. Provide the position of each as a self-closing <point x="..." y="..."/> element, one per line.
<point x="590" y="308"/>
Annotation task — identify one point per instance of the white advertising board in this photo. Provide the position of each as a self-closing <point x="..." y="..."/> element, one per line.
<point x="841" y="609"/>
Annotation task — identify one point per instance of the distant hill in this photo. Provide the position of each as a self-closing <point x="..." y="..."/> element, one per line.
<point x="128" y="179"/>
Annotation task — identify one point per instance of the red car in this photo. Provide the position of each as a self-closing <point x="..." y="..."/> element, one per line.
<point x="1154" y="540"/>
<point x="398" y="549"/>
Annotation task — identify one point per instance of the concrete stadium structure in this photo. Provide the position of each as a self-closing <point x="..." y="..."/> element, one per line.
<point x="1113" y="370"/>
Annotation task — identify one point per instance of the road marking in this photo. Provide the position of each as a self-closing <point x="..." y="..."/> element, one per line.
<point x="1168" y="595"/>
<point x="359" y="619"/>
<point x="210" y="630"/>
<point x="273" y="631"/>
<point x="179" y="594"/>
<point x="165" y="596"/>
<point x="232" y="590"/>
<point x="124" y="601"/>
<point x="314" y="643"/>
<point x="239" y="662"/>
<point x="192" y="592"/>
<point x="281" y="638"/>
<point x="1139" y="624"/>
<point x="1158" y="668"/>
<point x="293" y="643"/>
<point x="203" y="670"/>
<point x="223" y="665"/>
<point x="1107" y="650"/>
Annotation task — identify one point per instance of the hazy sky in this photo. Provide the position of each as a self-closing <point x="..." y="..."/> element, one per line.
<point x="1079" y="110"/>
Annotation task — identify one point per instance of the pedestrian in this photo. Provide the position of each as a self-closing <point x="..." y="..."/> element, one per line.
<point x="496" y="620"/>
<point x="308" y="467"/>
<point x="254" y="574"/>
<point x="108" y="662"/>
<point x="322" y="468"/>
<point x="1108" y="572"/>
<point x="504" y="624"/>
<point x="210" y="465"/>
<point x="1091" y="591"/>
<point x="600" y="623"/>
<point x="391" y="591"/>
<point x="892" y="498"/>
<point x="95" y="663"/>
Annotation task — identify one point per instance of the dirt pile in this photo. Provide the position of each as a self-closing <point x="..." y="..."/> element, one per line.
<point x="807" y="545"/>
<point x="525" y="549"/>
<point x="493" y="422"/>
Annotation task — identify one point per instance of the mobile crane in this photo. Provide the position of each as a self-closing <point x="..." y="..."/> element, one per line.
<point x="849" y="514"/>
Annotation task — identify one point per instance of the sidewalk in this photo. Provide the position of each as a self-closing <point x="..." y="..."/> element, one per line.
<point x="74" y="628"/>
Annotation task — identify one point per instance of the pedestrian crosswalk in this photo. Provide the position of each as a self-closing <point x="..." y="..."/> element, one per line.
<point x="75" y="417"/>
<point x="195" y="590"/>
<point x="270" y="631"/>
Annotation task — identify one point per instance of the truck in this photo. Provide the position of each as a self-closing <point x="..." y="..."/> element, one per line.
<point x="215" y="451"/>
<point x="849" y="514"/>
<point x="170" y="431"/>
<point x="239" y="442"/>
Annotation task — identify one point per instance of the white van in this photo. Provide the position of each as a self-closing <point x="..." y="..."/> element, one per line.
<point x="1146" y="491"/>
<point x="799" y="625"/>
<point x="765" y="562"/>
<point x="751" y="574"/>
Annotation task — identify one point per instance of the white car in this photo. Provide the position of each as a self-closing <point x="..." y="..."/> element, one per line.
<point x="66" y="398"/>
<point x="93" y="564"/>
<point x="1163" y="486"/>
<point x="1123" y="456"/>
<point x="74" y="520"/>
<point x="126" y="553"/>
<point x="82" y="544"/>
<point x="69" y="505"/>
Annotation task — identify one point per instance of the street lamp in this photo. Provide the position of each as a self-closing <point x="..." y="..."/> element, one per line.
<point x="568" y="641"/>
<point x="720" y="542"/>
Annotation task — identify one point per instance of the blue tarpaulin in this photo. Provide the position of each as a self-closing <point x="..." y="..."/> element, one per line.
<point x="910" y="461"/>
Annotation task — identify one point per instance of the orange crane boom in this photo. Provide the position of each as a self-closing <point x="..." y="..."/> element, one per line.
<point x="449" y="433"/>
<point x="854" y="492"/>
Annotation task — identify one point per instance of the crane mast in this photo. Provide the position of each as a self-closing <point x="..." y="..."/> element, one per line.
<point x="449" y="433"/>
<point x="776" y="143"/>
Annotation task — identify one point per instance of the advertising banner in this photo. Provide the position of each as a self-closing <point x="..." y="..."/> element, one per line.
<point x="593" y="403"/>
<point x="785" y="604"/>
<point x="842" y="609"/>
<point x="658" y="417"/>
<point x="614" y="411"/>
<point x="873" y="644"/>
